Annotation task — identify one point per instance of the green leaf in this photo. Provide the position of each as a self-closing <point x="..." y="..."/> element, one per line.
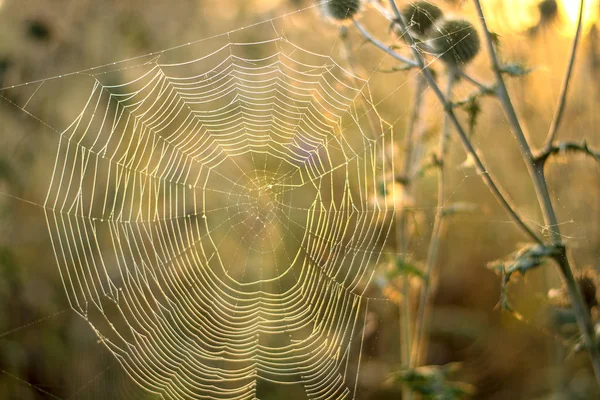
<point x="473" y="109"/>
<point x="432" y="382"/>
<point x="515" y="69"/>
<point x="528" y="257"/>
<point x="495" y="39"/>
<point x="404" y="267"/>
<point x="523" y="265"/>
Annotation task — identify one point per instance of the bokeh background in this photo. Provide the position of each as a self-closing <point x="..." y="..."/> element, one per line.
<point x="47" y="351"/>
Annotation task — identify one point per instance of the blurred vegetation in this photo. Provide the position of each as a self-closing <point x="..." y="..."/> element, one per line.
<point x="46" y="351"/>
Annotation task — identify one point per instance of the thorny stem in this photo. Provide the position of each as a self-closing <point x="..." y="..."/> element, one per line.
<point x="504" y="98"/>
<point x="484" y="88"/>
<point x="427" y="291"/>
<point x="382" y="46"/>
<point x="488" y="180"/>
<point x="566" y="147"/>
<point x="549" y="148"/>
<point x="562" y="99"/>
<point x="536" y="171"/>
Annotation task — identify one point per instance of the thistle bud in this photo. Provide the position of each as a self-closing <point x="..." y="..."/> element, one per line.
<point x="455" y="41"/>
<point x="341" y="10"/>
<point x="588" y="284"/>
<point x="548" y="11"/>
<point x="420" y="16"/>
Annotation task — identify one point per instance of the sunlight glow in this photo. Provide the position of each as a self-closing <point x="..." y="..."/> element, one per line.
<point x="521" y="15"/>
<point x="511" y="15"/>
<point x="570" y="10"/>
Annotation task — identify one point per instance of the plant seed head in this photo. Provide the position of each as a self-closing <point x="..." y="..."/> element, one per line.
<point x="456" y="41"/>
<point x="341" y="11"/>
<point x="588" y="284"/>
<point x="420" y="16"/>
<point x="548" y="11"/>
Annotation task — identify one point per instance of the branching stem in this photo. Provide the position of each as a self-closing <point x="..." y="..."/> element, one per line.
<point x="466" y="142"/>
<point x="382" y="46"/>
<point x="534" y="163"/>
<point x="536" y="171"/>
<point x="566" y="147"/>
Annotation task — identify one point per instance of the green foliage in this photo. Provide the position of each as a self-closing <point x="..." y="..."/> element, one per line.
<point x="473" y="109"/>
<point x="495" y="39"/>
<point x="403" y="266"/>
<point x="515" y="69"/>
<point x="471" y="105"/>
<point x="433" y="382"/>
<point x="527" y="258"/>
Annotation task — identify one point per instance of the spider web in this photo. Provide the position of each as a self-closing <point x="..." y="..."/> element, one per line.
<point x="217" y="220"/>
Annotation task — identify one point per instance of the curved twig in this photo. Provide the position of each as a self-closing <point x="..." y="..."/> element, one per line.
<point x="566" y="147"/>
<point x="562" y="99"/>
<point x="383" y="47"/>
<point x="501" y="197"/>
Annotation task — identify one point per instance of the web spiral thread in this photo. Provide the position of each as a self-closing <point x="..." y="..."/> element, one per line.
<point x="217" y="221"/>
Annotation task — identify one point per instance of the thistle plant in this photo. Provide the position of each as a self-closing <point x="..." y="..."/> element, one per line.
<point x="420" y="17"/>
<point x="341" y="11"/>
<point x="429" y="37"/>
<point x="588" y="282"/>
<point x="455" y="41"/>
